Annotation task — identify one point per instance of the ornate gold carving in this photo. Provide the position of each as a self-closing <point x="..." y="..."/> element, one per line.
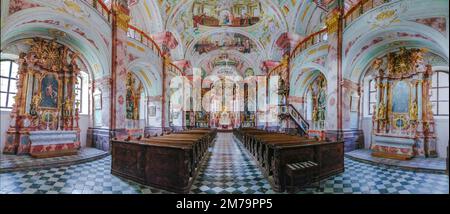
<point x="332" y="22"/>
<point x="381" y="112"/>
<point x="413" y="111"/>
<point x="405" y="62"/>
<point x="133" y="97"/>
<point x="48" y="54"/>
<point x="385" y="15"/>
<point x="122" y="18"/>
<point x="35" y="103"/>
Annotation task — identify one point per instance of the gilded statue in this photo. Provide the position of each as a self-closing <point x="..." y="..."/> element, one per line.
<point x="35" y="102"/>
<point x="381" y="112"/>
<point x="314" y="115"/>
<point x="405" y="61"/>
<point x="377" y="63"/>
<point x="413" y="111"/>
<point x="68" y="107"/>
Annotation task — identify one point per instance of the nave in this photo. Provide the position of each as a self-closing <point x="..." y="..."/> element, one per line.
<point x="228" y="169"/>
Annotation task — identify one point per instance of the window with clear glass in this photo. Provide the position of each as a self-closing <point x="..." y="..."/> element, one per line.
<point x="81" y="93"/>
<point x="439" y="93"/>
<point x="372" y="96"/>
<point x="8" y="80"/>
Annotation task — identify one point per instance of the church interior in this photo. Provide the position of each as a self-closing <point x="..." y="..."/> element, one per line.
<point x="224" y="96"/>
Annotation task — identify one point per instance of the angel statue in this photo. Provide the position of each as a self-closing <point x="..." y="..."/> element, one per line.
<point x="35" y="102"/>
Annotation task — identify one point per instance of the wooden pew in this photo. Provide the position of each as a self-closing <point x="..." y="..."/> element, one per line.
<point x="169" y="162"/>
<point x="273" y="151"/>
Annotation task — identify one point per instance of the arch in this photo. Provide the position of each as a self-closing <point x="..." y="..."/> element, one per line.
<point x="148" y="10"/>
<point x="88" y="43"/>
<point x="254" y="64"/>
<point x="421" y="36"/>
<point x="299" y="88"/>
<point x="148" y="75"/>
<point x="303" y="69"/>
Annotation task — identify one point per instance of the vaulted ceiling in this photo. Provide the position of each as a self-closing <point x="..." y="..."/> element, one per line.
<point x="244" y="32"/>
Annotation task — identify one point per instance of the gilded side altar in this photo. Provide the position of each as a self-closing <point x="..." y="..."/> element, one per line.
<point x="45" y="99"/>
<point x="403" y="124"/>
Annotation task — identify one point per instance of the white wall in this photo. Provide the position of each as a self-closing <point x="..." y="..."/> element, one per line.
<point x="4" y="124"/>
<point x="366" y="126"/>
<point x="442" y="133"/>
<point x="84" y="123"/>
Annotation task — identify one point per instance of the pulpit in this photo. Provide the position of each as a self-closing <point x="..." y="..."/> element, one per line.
<point x="53" y="143"/>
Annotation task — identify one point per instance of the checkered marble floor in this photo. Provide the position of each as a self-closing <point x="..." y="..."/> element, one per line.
<point x="435" y="165"/>
<point x="9" y="163"/>
<point x="229" y="169"/>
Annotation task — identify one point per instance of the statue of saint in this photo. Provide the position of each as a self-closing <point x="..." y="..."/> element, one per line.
<point x="381" y="112"/>
<point x="413" y="111"/>
<point x="314" y="115"/>
<point x="35" y="102"/>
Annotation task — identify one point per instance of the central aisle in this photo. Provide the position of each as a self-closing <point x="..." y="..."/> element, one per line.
<point x="230" y="169"/>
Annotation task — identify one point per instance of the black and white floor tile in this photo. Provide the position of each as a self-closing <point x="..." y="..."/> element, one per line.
<point x="229" y="169"/>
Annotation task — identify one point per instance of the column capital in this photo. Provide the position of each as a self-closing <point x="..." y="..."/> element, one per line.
<point x="122" y="14"/>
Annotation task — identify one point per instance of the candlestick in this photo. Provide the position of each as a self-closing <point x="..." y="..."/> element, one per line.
<point x="57" y="123"/>
<point x="48" y="120"/>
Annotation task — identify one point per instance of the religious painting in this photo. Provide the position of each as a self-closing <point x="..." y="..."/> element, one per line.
<point x="400" y="97"/>
<point x="225" y="41"/>
<point x="230" y="13"/>
<point x="49" y="91"/>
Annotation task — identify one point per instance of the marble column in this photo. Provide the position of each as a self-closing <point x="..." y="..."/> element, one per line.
<point x="334" y="67"/>
<point x="119" y="71"/>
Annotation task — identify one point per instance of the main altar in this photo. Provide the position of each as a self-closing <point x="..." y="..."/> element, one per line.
<point x="403" y="124"/>
<point x="44" y="118"/>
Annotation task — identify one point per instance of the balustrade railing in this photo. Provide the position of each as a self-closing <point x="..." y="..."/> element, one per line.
<point x="142" y="37"/>
<point x="101" y="7"/>
<point x="360" y="8"/>
<point x="309" y="41"/>
<point x="172" y="68"/>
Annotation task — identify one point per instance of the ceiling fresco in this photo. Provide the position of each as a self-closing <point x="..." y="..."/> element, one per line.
<point x="225" y="41"/>
<point x="237" y="28"/>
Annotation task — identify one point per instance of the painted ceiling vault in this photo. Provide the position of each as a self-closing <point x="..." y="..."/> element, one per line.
<point x="242" y="31"/>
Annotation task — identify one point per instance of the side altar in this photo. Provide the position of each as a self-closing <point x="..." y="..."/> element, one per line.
<point x="53" y="143"/>
<point x="403" y="124"/>
<point x="44" y="118"/>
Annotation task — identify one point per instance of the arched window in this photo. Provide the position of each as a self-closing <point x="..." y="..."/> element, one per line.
<point x="81" y="93"/>
<point x="439" y="93"/>
<point x="8" y="79"/>
<point x="372" y="96"/>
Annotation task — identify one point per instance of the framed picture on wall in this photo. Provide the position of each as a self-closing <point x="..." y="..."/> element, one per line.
<point x="354" y="103"/>
<point x="98" y="101"/>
